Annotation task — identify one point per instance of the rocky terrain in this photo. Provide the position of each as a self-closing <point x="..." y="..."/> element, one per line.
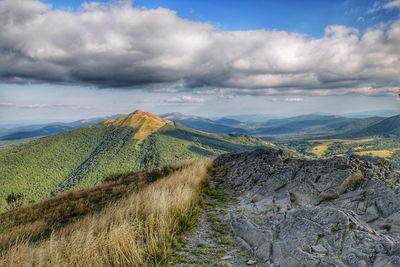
<point x="340" y="211"/>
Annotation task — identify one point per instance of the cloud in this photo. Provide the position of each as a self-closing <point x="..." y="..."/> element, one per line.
<point x="38" y="106"/>
<point x="392" y="4"/>
<point x="376" y="6"/>
<point x="293" y="99"/>
<point x="288" y="99"/>
<point x="118" y="45"/>
<point x="7" y="104"/>
<point x="184" y="100"/>
<point x="47" y="106"/>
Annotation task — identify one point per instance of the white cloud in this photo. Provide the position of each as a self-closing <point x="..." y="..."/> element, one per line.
<point x="288" y="99"/>
<point x="392" y="4"/>
<point x="184" y="100"/>
<point x="293" y="99"/>
<point x="38" y="106"/>
<point x="118" y="45"/>
<point x="7" y="104"/>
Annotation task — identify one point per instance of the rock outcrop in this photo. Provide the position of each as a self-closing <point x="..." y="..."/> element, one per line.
<point x="341" y="211"/>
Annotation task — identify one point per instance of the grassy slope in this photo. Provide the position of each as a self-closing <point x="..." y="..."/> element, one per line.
<point x="174" y="143"/>
<point x="140" y="229"/>
<point x="85" y="157"/>
<point x="26" y="167"/>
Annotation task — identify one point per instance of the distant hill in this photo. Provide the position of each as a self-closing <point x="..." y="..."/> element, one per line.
<point x="30" y="131"/>
<point x="252" y="117"/>
<point x="226" y="126"/>
<point x="388" y="127"/>
<point x="373" y="113"/>
<point x="84" y="157"/>
<point x="314" y="126"/>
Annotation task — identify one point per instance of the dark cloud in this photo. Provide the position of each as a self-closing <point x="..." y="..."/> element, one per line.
<point x="117" y="45"/>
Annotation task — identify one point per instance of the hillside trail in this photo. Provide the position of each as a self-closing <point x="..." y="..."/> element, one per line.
<point x="213" y="243"/>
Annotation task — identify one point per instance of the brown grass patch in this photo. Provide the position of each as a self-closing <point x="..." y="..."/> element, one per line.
<point x="377" y="153"/>
<point x="320" y="149"/>
<point x="144" y="122"/>
<point x="351" y="181"/>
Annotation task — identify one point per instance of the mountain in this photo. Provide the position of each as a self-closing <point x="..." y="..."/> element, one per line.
<point x="313" y="126"/>
<point x="204" y="124"/>
<point x="373" y="113"/>
<point x="84" y="157"/>
<point x="227" y="121"/>
<point x="251" y="117"/>
<point x="387" y="127"/>
<point x="30" y="131"/>
<point x="303" y="124"/>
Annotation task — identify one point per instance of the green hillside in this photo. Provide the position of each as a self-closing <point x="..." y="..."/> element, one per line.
<point x="388" y="127"/>
<point x="84" y="157"/>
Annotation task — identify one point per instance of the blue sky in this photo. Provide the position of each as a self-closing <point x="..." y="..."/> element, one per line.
<point x="305" y="16"/>
<point x="77" y="59"/>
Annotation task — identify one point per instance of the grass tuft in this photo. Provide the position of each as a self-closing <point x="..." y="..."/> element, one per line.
<point x="351" y="181"/>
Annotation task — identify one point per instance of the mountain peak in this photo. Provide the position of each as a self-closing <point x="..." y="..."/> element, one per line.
<point x="144" y="122"/>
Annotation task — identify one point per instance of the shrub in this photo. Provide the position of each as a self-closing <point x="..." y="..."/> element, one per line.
<point x="14" y="200"/>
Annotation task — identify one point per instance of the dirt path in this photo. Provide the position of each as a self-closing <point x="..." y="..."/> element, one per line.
<point x="212" y="243"/>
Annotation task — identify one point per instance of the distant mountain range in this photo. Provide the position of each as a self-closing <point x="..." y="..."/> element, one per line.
<point x="300" y="127"/>
<point x="304" y="126"/>
<point x="379" y="127"/>
<point x="83" y="157"/>
<point x="36" y="130"/>
<point x="377" y="113"/>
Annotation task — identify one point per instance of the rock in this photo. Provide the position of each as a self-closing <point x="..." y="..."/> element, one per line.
<point x="251" y="262"/>
<point x="283" y="218"/>
<point x="319" y="249"/>
<point x="371" y="214"/>
<point x="227" y="257"/>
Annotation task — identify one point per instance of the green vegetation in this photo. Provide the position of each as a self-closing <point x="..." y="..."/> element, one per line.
<point x="37" y="167"/>
<point x="84" y="157"/>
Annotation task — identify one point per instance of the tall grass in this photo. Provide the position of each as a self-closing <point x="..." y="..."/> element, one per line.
<point x="136" y="231"/>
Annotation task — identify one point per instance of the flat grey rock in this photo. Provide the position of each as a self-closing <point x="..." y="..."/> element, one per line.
<point x="296" y="212"/>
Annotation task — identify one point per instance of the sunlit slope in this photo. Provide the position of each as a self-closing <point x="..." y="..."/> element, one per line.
<point x="144" y="123"/>
<point x="85" y="157"/>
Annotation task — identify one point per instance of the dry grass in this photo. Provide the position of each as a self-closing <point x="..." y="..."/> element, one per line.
<point x="144" y="122"/>
<point x="135" y="231"/>
<point x="320" y="149"/>
<point x="55" y="212"/>
<point x="351" y="181"/>
<point x="359" y="141"/>
<point x="377" y="153"/>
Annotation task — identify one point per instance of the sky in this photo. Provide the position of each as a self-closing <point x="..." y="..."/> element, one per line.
<point x="68" y="60"/>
